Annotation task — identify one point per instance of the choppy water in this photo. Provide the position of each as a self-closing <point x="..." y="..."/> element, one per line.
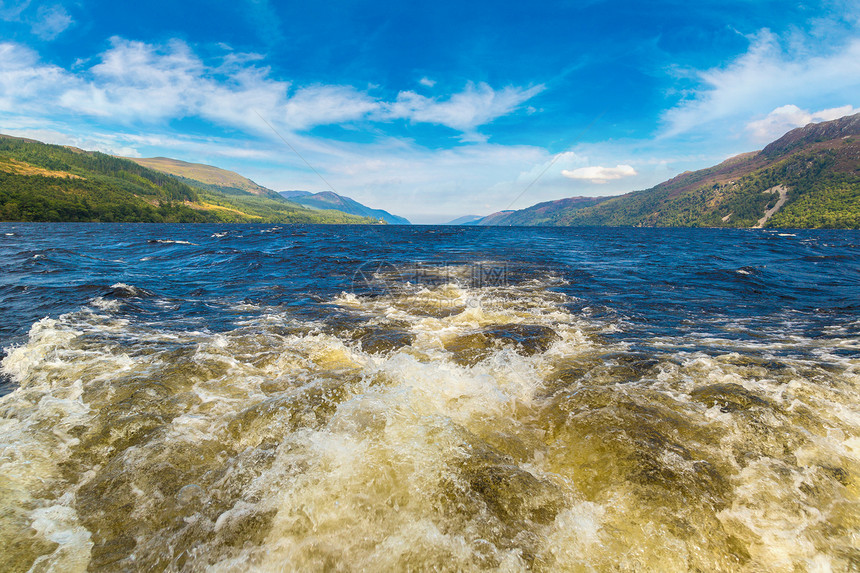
<point x="231" y="398"/>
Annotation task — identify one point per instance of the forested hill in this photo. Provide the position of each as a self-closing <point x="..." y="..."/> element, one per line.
<point x="809" y="178"/>
<point x="42" y="182"/>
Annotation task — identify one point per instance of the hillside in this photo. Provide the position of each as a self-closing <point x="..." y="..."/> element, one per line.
<point x="294" y="193"/>
<point x="331" y="200"/>
<point x="41" y="182"/>
<point x="215" y="179"/>
<point x="466" y="220"/>
<point x="539" y="214"/>
<point x="223" y="180"/>
<point x="809" y="178"/>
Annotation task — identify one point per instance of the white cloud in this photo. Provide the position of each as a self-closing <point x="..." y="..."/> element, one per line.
<point x="598" y="174"/>
<point x="425" y="81"/>
<point x="141" y="84"/>
<point x="51" y="21"/>
<point x="764" y="77"/>
<point x="788" y="117"/>
<point x="323" y="105"/>
<point x="25" y="83"/>
<point x="465" y="111"/>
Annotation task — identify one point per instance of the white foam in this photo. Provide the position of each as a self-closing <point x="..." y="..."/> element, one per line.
<point x="172" y="242"/>
<point x="102" y="304"/>
<point x="59" y="524"/>
<point x="358" y="458"/>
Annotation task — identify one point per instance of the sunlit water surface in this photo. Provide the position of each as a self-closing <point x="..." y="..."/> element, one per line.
<point x="232" y="398"/>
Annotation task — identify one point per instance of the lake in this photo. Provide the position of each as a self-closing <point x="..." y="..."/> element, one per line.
<point x="269" y="398"/>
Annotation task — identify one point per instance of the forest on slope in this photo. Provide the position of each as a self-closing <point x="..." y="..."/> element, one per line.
<point x="817" y="167"/>
<point x="42" y="182"/>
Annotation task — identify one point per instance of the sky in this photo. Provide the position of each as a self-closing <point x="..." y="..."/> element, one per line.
<point x="430" y="110"/>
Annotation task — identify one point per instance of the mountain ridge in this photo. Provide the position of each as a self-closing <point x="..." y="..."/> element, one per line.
<point x="231" y="183"/>
<point x="203" y="173"/>
<point x="44" y="182"/>
<point x="817" y="165"/>
<point x="332" y="200"/>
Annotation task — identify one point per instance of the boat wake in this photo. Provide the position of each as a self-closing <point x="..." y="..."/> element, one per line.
<point x="438" y="426"/>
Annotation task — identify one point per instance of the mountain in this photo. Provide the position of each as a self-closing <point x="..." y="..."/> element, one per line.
<point x="496" y="219"/>
<point x="291" y="194"/>
<point x="808" y="178"/>
<point x="230" y="183"/>
<point x="537" y="214"/>
<point x="41" y="182"/>
<point x="466" y="220"/>
<point x="331" y="200"/>
<point x="215" y="178"/>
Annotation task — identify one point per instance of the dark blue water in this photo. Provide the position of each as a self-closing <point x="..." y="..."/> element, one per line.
<point x="316" y="398"/>
<point x="659" y="281"/>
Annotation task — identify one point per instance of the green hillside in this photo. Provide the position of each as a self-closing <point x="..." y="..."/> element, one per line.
<point x="219" y="179"/>
<point x="817" y="167"/>
<point x="41" y="182"/>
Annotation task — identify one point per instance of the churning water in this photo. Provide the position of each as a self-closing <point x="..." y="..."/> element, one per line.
<point x="233" y="398"/>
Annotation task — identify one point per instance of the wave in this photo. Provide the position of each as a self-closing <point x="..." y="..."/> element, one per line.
<point x="171" y="242"/>
<point x="423" y="426"/>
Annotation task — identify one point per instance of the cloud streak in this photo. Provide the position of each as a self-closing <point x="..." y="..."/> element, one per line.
<point x="477" y="105"/>
<point x="136" y="82"/>
<point x="762" y="79"/>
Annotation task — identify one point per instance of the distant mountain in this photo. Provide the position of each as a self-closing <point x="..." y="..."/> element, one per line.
<point x="466" y="220"/>
<point x="538" y="214"/>
<point x="499" y="218"/>
<point x="331" y="200"/>
<point x="808" y="178"/>
<point x="291" y="194"/>
<point x="41" y="182"/>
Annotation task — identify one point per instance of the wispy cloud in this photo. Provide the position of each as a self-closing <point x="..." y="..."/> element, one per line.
<point x="44" y="21"/>
<point x="598" y="174"/>
<point x="324" y="105"/>
<point x="136" y="82"/>
<point x="127" y="99"/>
<point x="51" y="21"/>
<point x="771" y="71"/>
<point x="13" y="13"/>
<point x="788" y="117"/>
<point x="477" y="105"/>
<point x="26" y="84"/>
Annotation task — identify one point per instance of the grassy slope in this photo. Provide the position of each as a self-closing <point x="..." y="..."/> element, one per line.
<point x="540" y="214"/>
<point x="203" y="173"/>
<point x="40" y="182"/>
<point x="224" y="189"/>
<point x="819" y="164"/>
<point x="822" y="193"/>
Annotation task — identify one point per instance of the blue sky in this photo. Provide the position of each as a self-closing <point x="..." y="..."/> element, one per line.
<point x="434" y="110"/>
